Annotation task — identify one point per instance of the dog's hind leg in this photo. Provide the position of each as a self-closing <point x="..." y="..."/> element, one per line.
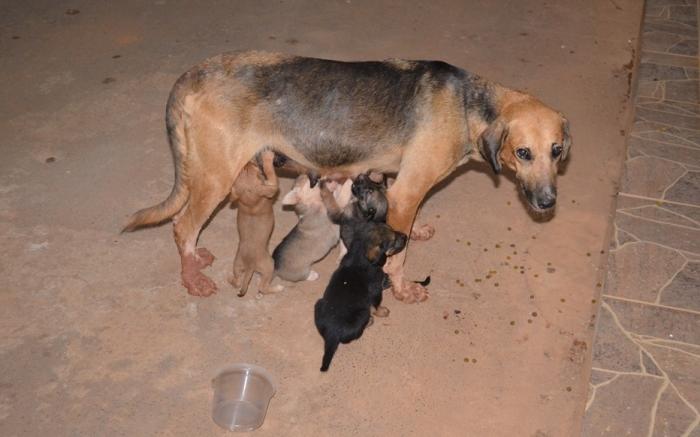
<point x="267" y="273"/>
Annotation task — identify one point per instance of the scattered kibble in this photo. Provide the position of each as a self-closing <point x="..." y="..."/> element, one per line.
<point x="532" y="296"/>
<point x="72" y="11"/>
<point x="602" y="252"/>
<point x="469" y="243"/>
<point x="593" y="301"/>
<point x="485" y="249"/>
<point x="477" y="280"/>
<point x="498" y="246"/>
<point x="509" y="228"/>
<point x="529" y="320"/>
<point x="495" y="284"/>
<point x="466" y="360"/>
<point x="508" y="203"/>
<point x="457" y="240"/>
<point x="116" y="56"/>
<point x="512" y="322"/>
<point x="50" y="159"/>
<point x="573" y="201"/>
<point x="456" y="331"/>
<point x="534" y="314"/>
<point x="536" y="275"/>
<point x="458" y="311"/>
<point x="473" y="360"/>
<point x="598" y="285"/>
<point x="551" y="270"/>
<point x="437" y="215"/>
<point x="549" y="263"/>
<point x="515" y="252"/>
<point x="534" y="237"/>
<point x="568" y="388"/>
<point x="562" y="300"/>
<point x="588" y="253"/>
<point x="508" y="257"/>
<point x="512" y="245"/>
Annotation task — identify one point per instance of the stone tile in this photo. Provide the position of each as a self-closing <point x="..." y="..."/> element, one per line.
<point x="669" y="106"/>
<point x="655" y="72"/>
<point x="684" y="14"/>
<point x="660" y="215"/>
<point x="654" y="11"/>
<point x="639" y="270"/>
<point x="649" y="176"/>
<point x="690" y="348"/>
<point x="661" y="3"/>
<point x="626" y="202"/>
<point x="693" y="213"/>
<point x="669" y="134"/>
<point x="675" y="27"/>
<point x="687" y="122"/>
<point x="684" y="290"/>
<point x="653" y="90"/>
<point x="692" y="73"/>
<point x="673" y="416"/>
<point x="682" y="369"/>
<point x="682" y="90"/>
<point x="623" y="407"/>
<point x="668" y="59"/>
<point x="649" y="365"/>
<point x="656" y="321"/>
<point x="598" y="377"/>
<point x="612" y="350"/>
<point x="668" y="235"/>
<point x="688" y="47"/>
<point x="659" y="41"/>
<point x="686" y="190"/>
<point x="695" y="432"/>
<point x="624" y="237"/>
<point x="682" y="155"/>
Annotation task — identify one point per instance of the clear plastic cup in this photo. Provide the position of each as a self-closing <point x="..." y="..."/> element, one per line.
<point x="242" y="393"/>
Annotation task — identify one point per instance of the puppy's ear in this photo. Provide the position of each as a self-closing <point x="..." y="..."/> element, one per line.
<point x="291" y="198"/>
<point x="376" y="255"/>
<point x="398" y="244"/>
<point x="490" y="143"/>
<point x="566" y="142"/>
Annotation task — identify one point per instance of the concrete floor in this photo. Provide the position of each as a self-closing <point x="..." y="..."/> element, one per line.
<point x="97" y="337"/>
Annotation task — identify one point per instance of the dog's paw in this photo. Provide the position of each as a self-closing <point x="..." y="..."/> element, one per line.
<point x="410" y="292"/>
<point x="422" y="232"/>
<point x="313" y="275"/>
<point x="204" y="257"/>
<point x="198" y="284"/>
<point x="381" y="311"/>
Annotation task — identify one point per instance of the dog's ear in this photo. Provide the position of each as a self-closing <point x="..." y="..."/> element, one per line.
<point x="398" y="244"/>
<point x="490" y="142"/>
<point x="566" y="135"/>
<point x="291" y="198"/>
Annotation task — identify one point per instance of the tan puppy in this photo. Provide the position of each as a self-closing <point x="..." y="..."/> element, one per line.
<point x="255" y="192"/>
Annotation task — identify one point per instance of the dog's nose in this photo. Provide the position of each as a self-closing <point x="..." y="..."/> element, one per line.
<point x="547" y="198"/>
<point x="546" y="203"/>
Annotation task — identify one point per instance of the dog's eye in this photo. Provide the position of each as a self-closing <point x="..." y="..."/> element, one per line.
<point x="523" y="154"/>
<point x="556" y="150"/>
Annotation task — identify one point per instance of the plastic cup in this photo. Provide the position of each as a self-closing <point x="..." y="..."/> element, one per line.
<point x="242" y="393"/>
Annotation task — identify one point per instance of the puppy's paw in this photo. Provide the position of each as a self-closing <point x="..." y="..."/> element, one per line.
<point x="204" y="257"/>
<point x="313" y="275"/>
<point x="422" y="232"/>
<point x="410" y="292"/>
<point x="272" y="289"/>
<point x="381" y="311"/>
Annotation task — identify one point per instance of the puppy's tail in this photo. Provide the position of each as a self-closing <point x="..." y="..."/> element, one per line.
<point x="331" y="345"/>
<point x="175" y="119"/>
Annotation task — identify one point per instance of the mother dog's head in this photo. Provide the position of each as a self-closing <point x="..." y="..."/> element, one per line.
<point x="532" y="140"/>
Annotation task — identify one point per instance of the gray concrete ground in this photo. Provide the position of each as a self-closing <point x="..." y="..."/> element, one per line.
<point x="97" y="337"/>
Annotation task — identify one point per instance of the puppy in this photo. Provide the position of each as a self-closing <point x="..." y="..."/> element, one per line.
<point x="315" y="234"/>
<point x="254" y="190"/>
<point x="343" y="313"/>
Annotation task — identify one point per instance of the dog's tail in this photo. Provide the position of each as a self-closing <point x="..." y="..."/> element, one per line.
<point x="175" y="120"/>
<point x="331" y="345"/>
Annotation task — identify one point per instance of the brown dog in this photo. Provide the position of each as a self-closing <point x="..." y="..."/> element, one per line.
<point x="419" y="119"/>
<point x="254" y="191"/>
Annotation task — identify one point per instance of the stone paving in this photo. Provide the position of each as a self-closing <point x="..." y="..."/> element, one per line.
<point x="645" y="378"/>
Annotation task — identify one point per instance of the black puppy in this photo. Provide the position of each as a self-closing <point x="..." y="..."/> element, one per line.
<point x="343" y="313"/>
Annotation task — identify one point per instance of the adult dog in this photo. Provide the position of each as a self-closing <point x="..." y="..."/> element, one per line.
<point x="418" y="119"/>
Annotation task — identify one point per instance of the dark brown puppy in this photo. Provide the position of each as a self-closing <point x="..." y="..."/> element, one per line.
<point x="419" y="119"/>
